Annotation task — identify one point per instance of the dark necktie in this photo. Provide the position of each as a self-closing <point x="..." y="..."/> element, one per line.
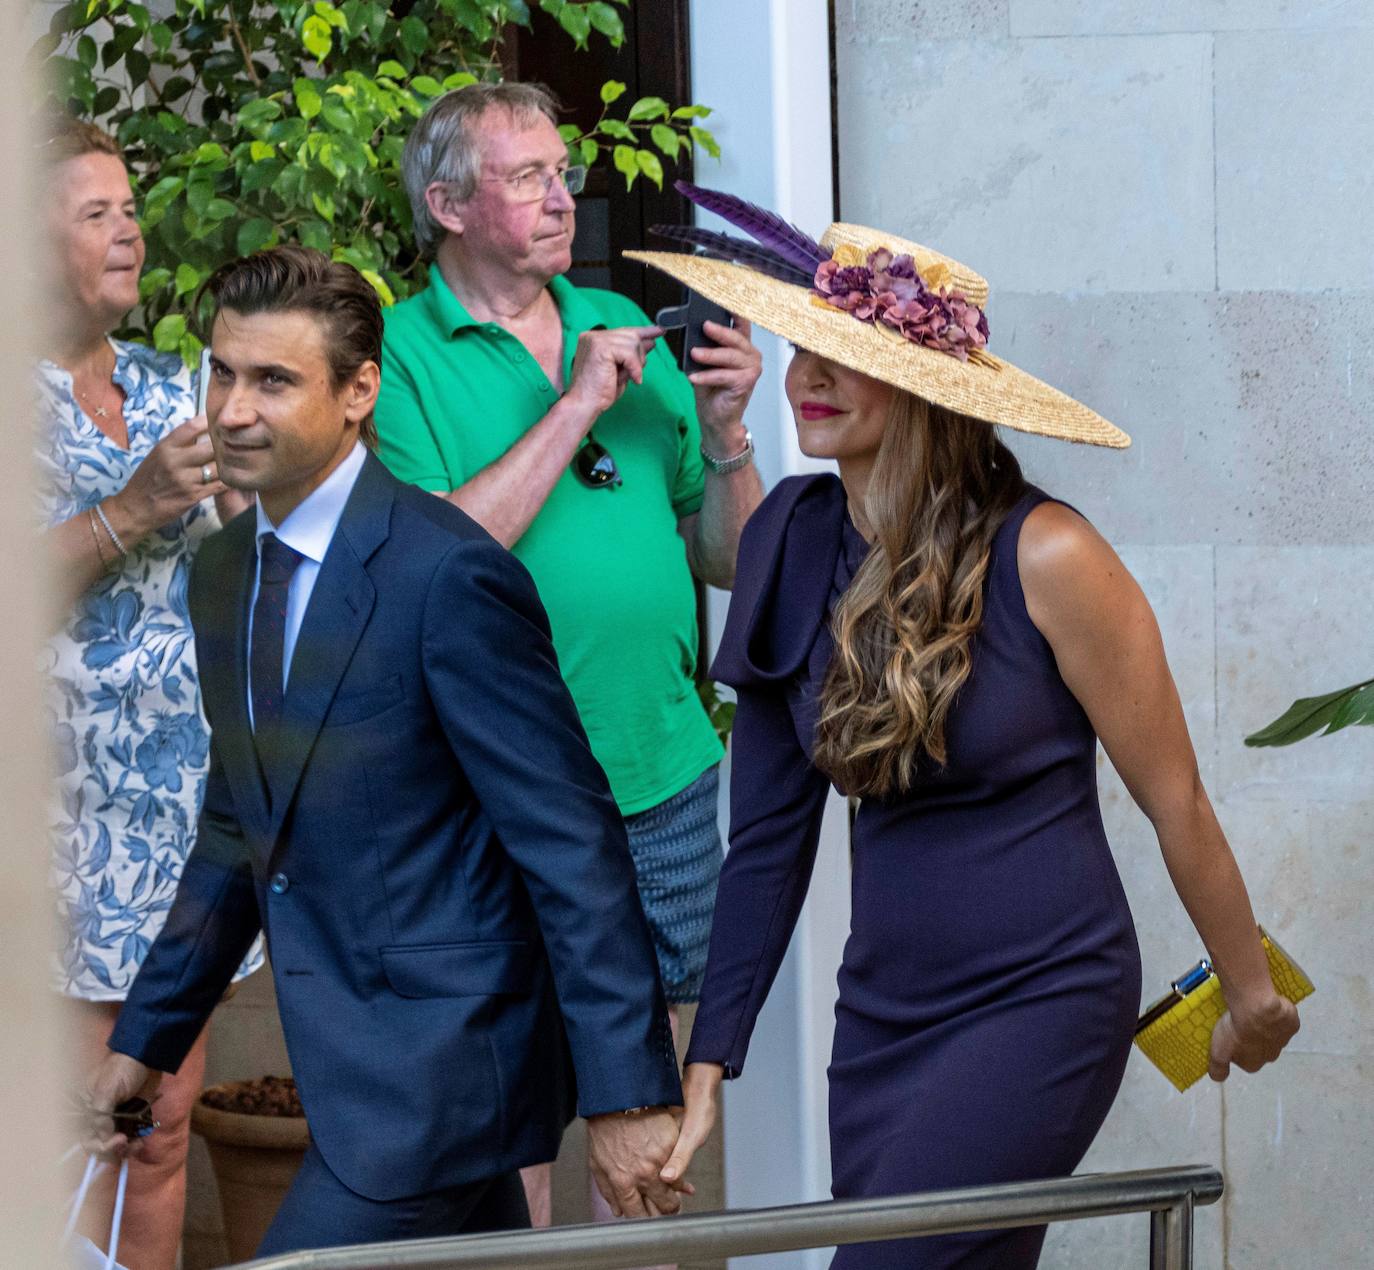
<point x="269" y="636"/>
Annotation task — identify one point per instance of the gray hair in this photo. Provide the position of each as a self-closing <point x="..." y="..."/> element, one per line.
<point x="443" y="146"/>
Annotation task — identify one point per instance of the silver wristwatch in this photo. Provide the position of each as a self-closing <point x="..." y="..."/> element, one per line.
<point x="736" y="461"/>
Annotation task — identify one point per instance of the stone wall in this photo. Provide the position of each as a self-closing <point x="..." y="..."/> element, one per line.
<point x="1171" y="201"/>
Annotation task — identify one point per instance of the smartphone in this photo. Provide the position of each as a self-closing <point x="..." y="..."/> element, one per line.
<point x="691" y="318"/>
<point x="203" y="383"/>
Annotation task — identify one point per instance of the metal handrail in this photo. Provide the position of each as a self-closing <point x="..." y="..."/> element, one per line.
<point x="1168" y="1195"/>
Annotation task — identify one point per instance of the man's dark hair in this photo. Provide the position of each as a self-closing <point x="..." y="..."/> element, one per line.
<point x="294" y="279"/>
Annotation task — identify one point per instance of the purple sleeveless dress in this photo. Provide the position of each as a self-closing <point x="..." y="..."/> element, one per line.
<point x="990" y="982"/>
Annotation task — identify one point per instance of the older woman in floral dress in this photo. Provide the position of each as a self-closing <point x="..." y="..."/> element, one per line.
<point x="127" y="490"/>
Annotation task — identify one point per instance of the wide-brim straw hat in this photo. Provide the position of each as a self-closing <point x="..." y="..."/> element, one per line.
<point x="984" y="387"/>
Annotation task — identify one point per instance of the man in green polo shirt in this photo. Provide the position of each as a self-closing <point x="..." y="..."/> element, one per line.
<point x="555" y="417"/>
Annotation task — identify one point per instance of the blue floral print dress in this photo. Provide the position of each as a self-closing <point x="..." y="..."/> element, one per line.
<point x="123" y="696"/>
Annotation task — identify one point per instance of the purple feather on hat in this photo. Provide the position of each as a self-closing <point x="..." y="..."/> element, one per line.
<point x="799" y="250"/>
<point x="737" y="251"/>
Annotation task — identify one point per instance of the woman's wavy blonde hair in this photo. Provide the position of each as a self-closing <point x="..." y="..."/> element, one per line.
<point x="941" y="487"/>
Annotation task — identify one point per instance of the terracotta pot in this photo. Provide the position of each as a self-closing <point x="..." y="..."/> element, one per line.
<point x="255" y="1159"/>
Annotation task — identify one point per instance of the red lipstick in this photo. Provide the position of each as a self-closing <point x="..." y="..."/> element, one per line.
<point x="816" y="410"/>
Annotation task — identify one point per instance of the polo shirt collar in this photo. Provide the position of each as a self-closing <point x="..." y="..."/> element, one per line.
<point x="451" y="316"/>
<point x="447" y="308"/>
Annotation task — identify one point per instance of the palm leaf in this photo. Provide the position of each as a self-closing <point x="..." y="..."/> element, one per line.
<point x="1332" y="712"/>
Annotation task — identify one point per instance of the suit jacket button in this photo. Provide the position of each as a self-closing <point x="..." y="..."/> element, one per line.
<point x="279" y="883"/>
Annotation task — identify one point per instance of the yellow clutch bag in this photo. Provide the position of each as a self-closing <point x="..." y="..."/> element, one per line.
<point x="1175" y="1033"/>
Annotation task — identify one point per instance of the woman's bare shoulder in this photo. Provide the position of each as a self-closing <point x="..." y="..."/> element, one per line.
<point x="1066" y="566"/>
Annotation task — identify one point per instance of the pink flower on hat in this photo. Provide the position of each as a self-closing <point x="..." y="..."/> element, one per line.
<point x="890" y="290"/>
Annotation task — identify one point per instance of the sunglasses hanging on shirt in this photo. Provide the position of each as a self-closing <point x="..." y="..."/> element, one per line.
<point x="594" y="466"/>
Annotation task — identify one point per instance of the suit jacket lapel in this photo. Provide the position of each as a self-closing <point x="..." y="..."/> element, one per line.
<point x="222" y="654"/>
<point x="340" y="606"/>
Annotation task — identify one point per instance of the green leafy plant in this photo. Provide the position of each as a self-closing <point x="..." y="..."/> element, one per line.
<point x="720" y="711"/>
<point x="252" y="122"/>
<point x="1327" y="714"/>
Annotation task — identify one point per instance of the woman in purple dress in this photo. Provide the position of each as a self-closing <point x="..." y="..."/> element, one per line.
<point x="942" y="640"/>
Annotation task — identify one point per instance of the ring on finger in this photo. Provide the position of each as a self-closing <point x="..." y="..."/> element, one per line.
<point x="206" y="474"/>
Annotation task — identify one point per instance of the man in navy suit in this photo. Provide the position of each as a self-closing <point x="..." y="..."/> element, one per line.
<point x="401" y="795"/>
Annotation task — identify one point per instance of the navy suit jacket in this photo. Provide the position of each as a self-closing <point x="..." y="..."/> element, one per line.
<point x="450" y="905"/>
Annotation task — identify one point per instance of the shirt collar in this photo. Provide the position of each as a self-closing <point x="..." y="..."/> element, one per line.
<point x="576" y="313"/>
<point x="447" y="308"/>
<point x="309" y="527"/>
<point x="451" y="315"/>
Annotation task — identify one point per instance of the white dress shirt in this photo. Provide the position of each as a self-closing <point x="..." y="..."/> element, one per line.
<point x="309" y="529"/>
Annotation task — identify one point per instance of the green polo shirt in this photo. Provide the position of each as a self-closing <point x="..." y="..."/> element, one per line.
<point x="609" y="563"/>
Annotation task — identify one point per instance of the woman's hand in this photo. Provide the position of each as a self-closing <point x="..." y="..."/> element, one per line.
<point x="167" y="484"/>
<point x="724" y="384"/>
<point x="1252" y="1035"/>
<point x="699" y="1085"/>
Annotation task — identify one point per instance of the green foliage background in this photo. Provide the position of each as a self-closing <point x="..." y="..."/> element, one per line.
<point x="252" y="122"/>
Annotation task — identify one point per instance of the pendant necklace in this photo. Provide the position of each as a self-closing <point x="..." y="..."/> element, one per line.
<point x="100" y="412"/>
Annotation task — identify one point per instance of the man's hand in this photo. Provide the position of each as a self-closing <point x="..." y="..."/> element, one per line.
<point x="605" y="362"/>
<point x="116" y="1080"/>
<point x="724" y="383"/>
<point x="625" y="1154"/>
<point x="699" y="1085"/>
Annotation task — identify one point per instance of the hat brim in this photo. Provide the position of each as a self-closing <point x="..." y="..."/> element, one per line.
<point x="985" y="387"/>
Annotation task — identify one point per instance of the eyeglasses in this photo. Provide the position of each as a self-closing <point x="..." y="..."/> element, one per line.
<point x="594" y="467"/>
<point x="533" y="185"/>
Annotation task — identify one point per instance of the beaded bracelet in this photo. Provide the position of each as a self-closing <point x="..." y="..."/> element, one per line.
<point x="109" y="529"/>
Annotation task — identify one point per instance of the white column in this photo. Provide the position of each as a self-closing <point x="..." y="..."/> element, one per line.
<point x="35" y="1123"/>
<point x="765" y="68"/>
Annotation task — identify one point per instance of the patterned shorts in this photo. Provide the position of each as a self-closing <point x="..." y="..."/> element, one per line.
<point x="677" y="854"/>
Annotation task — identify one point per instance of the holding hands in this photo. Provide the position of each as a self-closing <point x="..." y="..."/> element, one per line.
<point x="626" y="1153"/>
<point x="700" y="1083"/>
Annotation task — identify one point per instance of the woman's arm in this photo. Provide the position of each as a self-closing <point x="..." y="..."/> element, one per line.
<point x="1108" y="648"/>
<point x="724" y="380"/>
<point x="777" y="799"/>
<point x="80" y="550"/>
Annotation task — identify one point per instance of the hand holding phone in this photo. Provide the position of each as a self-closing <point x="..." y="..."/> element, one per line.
<point x="692" y="317"/>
